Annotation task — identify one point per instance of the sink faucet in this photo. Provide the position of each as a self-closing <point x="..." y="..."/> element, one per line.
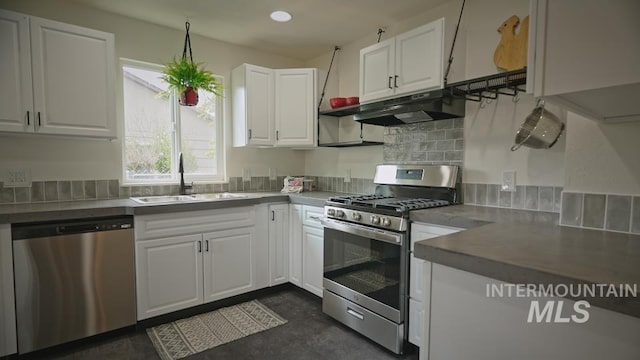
<point x="183" y="187"/>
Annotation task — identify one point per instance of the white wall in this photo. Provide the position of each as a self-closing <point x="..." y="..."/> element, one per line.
<point x="602" y="158"/>
<point x="81" y="159"/>
<point x="490" y="132"/>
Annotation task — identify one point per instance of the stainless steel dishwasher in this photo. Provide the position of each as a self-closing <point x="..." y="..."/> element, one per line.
<point x="73" y="279"/>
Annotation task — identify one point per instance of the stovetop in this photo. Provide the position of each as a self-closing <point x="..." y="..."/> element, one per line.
<point x="385" y="204"/>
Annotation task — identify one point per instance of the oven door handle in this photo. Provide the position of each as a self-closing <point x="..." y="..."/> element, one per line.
<point x="371" y="233"/>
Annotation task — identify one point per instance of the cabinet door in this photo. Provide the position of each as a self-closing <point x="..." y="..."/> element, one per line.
<point x="377" y="71"/>
<point x="254" y="94"/>
<point x="278" y="244"/>
<point x="8" y="344"/>
<point x="419" y="59"/>
<point x="228" y="263"/>
<point x="312" y="259"/>
<point x="169" y="275"/>
<point x="16" y="96"/>
<point x="295" y="107"/>
<point x="295" y="244"/>
<point x="416" y="322"/>
<point x="416" y="279"/>
<point x="73" y="79"/>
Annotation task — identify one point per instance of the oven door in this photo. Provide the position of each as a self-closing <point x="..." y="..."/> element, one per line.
<point x="367" y="266"/>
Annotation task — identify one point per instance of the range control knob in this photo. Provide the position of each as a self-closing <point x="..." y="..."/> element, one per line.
<point x="386" y="221"/>
<point x="331" y="212"/>
<point x="339" y="213"/>
<point x="375" y="219"/>
<point x="356" y="216"/>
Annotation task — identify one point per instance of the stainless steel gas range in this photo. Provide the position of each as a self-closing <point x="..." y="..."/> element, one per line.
<point x="366" y="249"/>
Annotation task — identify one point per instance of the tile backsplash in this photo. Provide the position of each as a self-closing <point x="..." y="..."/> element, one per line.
<point x="537" y="198"/>
<point x="76" y="190"/>
<point x="431" y="142"/>
<point x="620" y="213"/>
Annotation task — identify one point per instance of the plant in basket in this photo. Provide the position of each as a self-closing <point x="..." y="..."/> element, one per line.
<point x="186" y="76"/>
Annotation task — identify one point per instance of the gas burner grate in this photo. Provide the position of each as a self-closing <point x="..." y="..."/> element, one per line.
<point x="355" y="199"/>
<point x="413" y="204"/>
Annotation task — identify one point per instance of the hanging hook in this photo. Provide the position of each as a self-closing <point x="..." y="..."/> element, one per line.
<point x="516" y="97"/>
<point x="482" y="103"/>
<point x="380" y="32"/>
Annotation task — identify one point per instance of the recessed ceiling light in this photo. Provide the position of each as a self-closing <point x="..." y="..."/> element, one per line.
<point x="280" y="16"/>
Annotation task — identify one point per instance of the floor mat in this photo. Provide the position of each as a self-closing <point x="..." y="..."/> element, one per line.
<point x="189" y="336"/>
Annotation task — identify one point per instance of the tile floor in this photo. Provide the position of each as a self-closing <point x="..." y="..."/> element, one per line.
<point x="309" y="334"/>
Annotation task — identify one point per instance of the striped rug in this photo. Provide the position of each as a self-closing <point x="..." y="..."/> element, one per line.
<point x="189" y="336"/>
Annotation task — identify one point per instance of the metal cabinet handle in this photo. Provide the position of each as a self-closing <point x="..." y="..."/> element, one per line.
<point x="316" y="218"/>
<point x="390" y="77"/>
<point x="206" y="245"/>
<point x="277" y="135"/>
<point x="249" y="133"/>
<point x="199" y="246"/>
<point x="355" y="314"/>
<point x="395" y="81"/>
<point x="28" y="119"/>
<point x="273" y="215"/>
<point x="39" y="121"/>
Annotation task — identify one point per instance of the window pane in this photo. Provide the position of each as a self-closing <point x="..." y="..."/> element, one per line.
<point x="148" y="132"/>
<point x="198" y="133"/>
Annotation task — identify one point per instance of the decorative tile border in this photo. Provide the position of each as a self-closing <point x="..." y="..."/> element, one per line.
<point x="536" y="198"/>
<point x="611" y="212"/>
<point x="78" y="190"/>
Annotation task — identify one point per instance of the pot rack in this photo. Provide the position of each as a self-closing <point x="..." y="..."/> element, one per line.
<point x="490" y="87"/>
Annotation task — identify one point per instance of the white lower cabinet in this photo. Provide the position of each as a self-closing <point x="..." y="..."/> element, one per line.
<point x="169" y="274"/>
<point x="306" y="256"/>
<point x="228" y="263"/>
<point x="420" y="285"/>
<point x="312" y="259"/>
<point x="223" y="256"/>
<point x="278" y="244"/>
<point x="8" y="344"/>
<point x="465" y="323"/>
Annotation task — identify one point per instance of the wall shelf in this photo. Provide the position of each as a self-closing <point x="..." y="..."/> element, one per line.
<point x="342" y="111"/>
<point x="352" y="144"/>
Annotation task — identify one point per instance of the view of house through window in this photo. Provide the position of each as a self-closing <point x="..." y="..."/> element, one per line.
<point x="157" y="130"/>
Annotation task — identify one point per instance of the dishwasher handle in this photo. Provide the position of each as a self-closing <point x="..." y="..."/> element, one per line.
<point x="77" y="229"/>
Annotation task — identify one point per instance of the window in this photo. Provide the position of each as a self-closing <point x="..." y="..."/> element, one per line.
<point x="157" y="130"/>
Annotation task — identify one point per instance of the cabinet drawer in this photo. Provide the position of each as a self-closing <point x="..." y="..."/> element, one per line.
<point x="192" y="222"/>
<point x="311" y="215"/>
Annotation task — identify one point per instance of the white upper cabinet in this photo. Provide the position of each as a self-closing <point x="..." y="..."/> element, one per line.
<point x="252" y="98"/>
<point x="591" y="69"/>
<point x="408" y="63"/>
<point x="377" y="71"/>
<point x="296" y="120"/>
<point x="16" y="96"/>
<point x="57" y="78"/>
<point x="273" y="107"/>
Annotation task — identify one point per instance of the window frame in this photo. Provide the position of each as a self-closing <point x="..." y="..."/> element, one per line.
<point x="176" y="135"/>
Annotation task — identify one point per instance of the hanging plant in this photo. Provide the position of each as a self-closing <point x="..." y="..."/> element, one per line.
<point x="186" y="77"/>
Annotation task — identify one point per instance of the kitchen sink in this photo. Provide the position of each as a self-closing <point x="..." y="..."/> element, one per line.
<point x="219" y="196"/>
<point x="164" y="199"/>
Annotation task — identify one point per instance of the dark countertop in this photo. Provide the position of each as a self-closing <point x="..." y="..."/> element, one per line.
<point x="52" y="211"/>
<point x="519" y="246"/>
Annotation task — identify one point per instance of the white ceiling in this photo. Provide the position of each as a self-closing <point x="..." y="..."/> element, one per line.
<point x="316" y="27"/>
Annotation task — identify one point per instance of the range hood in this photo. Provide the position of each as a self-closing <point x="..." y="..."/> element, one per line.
<point x="425" y="106"/>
